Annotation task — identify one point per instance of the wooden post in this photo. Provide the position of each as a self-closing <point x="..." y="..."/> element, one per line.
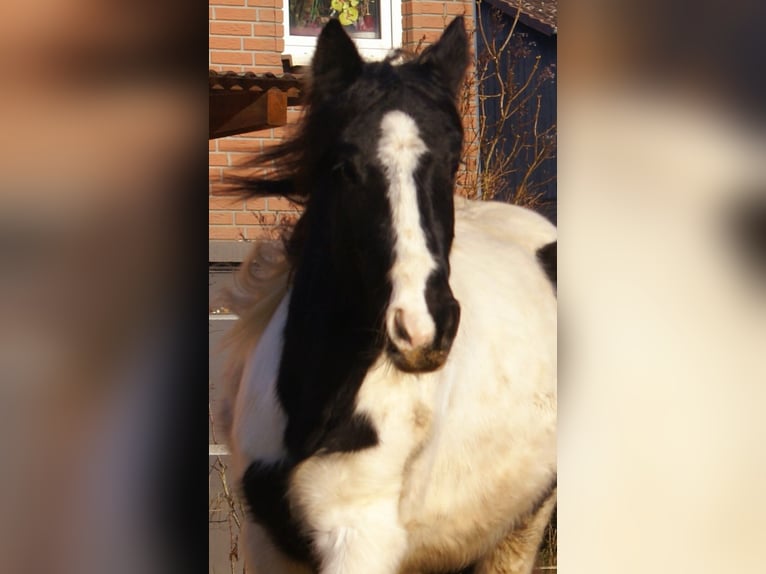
<point x="236" y="112"/>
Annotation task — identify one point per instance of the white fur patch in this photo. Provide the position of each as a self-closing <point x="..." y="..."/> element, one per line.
<point x="259" y="421"/>
<point x="463" y="452"/>
<point x="399" y="150"/>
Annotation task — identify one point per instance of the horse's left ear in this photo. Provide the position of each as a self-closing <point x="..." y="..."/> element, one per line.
<point x="448" y="57"/>
<point x="336" y="62"/>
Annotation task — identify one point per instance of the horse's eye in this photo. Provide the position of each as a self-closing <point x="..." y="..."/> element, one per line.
<point x="347" y="170"/>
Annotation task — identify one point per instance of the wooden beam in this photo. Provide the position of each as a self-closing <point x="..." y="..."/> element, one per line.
<point x="234" y="112"/>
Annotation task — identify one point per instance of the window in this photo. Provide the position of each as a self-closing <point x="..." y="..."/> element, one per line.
<point x="375" y="25"/>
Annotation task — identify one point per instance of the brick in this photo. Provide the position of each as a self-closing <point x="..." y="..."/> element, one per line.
<point x="293" y="115"/>
<point x="255" y="218"/>
<point x="262" y="44"/>
<point x="236" y="14"/>
<point x="425" y="21"/>
<point x="224" y="43"/>
<point x="212" y="145"/>
<point x="460" y="9"/>
<point x="280" y="204"/>
<point x="273" y="60"/>
<point x="231" y="29"/>
<point x="225" y="203"/>
<point x="255" y="204"/>
<point x="240" y="145"/>
<point x="215" y="158"/>
<point x="227" y="2"/>
<point x="225" y="232"/>
<point x="257" y="135"/>
<point x="426" y="8"/>
<point x="269" y="15"/>
<point x="219" y="217"/>
<point x="265" y="3"/>
<point x="214" y="174"/>
<point x="245" y="58"/>
<point x="272" y="30"/>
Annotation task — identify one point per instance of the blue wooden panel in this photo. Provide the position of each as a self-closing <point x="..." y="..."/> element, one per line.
<point x="515" y="67"/>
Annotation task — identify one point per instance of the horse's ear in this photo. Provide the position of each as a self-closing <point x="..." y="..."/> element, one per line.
<point x="448" y="57"/>
<point x="336" y="62"/>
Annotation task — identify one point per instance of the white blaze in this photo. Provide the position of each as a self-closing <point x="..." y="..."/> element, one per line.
<point x="399" y="150"/>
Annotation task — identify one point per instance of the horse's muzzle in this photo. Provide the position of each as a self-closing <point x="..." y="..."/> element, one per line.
<point x="432" y="355"/>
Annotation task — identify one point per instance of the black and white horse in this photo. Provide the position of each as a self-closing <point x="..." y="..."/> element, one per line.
<point x="395" y="403"/>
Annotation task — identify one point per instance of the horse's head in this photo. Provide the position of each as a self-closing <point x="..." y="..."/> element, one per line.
<point x="389" y="139"/>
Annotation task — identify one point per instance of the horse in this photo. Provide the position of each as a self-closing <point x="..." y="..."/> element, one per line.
<point x="393" y="398"/>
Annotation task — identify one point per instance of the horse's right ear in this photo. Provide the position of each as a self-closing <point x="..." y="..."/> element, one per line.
<point x="336" y="62"/>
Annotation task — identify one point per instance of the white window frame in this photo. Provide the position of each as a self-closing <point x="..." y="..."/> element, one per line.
<point x="301" y="48"/>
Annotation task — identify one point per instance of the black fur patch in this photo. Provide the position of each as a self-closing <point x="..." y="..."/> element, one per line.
<point x="356" y="433"/>
<point x="265" y="488"/>
<point x="546" y="255"/>
<point x="331" y="339"/>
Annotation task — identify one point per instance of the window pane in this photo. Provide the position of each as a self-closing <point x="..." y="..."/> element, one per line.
<point x="361" y="18"/>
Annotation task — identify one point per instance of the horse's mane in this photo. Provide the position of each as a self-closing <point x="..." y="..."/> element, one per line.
<point x="281" y="170"/>
<point x="260" y="283"/>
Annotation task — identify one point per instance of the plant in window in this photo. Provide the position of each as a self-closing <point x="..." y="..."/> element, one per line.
<point x="317" y="12"/>
<point x="361" y="16"/>
<point x="308" y="14"/>
<point x="347" y="11"/>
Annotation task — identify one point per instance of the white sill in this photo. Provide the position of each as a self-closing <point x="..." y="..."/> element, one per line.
<point x="301" y="55"/>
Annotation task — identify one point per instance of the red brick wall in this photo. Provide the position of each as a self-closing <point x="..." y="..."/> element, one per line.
<point x="247" y="36"/>
<point x="424" y="21"/>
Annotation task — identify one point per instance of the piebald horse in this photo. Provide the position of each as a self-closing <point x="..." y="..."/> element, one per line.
<point x="394" y="399"/>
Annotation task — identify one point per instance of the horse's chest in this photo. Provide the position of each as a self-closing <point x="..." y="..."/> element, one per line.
<point x="399" y="407"/>
<point x="325" y="491"/>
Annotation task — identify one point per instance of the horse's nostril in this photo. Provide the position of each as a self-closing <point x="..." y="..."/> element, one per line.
<point x="401" y="332"/>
